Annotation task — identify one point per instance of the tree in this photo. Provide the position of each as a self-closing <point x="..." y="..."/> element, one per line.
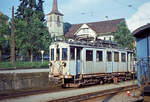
<point x="4" y="32"/>
<point x="31" y="31"/>
<point x="20" y="35"/>
<point x="40" y="10"/>
<point x="66" y="27"/>
<point x="21" y="11"/>
<point x="123" y="36"/>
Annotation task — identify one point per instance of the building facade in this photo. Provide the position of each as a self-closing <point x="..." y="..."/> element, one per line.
<point x="55" y="21"/>
<point x="96" y="30"/>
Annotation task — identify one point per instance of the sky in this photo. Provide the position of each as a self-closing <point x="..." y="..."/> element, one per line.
<point x="135" y="12"/>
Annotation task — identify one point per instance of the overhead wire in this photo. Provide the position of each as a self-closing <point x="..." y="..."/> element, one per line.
<point x="132" y="7"/>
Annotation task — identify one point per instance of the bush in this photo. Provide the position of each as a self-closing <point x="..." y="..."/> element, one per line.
<point x="24" y="65"/>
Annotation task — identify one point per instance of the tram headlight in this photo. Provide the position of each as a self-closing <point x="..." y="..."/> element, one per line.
<point x="64" y="64"/>
<point x="50" y="64"/>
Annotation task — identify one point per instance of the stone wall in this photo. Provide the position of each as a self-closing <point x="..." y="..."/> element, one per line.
<point x="25" y="81"/>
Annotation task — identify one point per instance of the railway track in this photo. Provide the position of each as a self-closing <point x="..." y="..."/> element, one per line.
<point x="68" y="94"/>
<point x="22" y="93"/>
<point x="106" y="93"/>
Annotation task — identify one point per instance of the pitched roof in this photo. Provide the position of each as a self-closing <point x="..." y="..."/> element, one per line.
<point x="142" y="31"/>
<point x="98" y="27"/>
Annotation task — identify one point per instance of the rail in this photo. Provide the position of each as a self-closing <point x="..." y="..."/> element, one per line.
<point x="95" y="94"/>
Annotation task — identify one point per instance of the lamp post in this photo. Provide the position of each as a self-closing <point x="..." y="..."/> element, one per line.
<point x="42" y="52"/>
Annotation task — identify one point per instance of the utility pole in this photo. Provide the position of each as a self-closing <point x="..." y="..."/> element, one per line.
<point x="12" y="38"/>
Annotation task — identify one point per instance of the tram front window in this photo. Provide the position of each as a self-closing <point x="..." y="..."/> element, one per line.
<point x="64" y="53"/>
<point x="72" y="53"/>
<point x="57" y="54"/>
<point x="52" y="54"/>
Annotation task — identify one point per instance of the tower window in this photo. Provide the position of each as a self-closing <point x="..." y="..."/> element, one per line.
<point x="50" y="18"/>
<point x="58" y="19"/>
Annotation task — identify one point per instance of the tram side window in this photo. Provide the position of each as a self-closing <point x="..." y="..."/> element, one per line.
<point x="131" y="57"/>
<point x="116" y="56"/>
<point x="123" y="57"/>
<point x="52" y="54"/>
<point x="57" y="54"/>
<point x="64" y="53"/>
<point x="99" y="56"/>
<point x="72" y="53"/>
<point x="78" y="53"/>
<point x="109" y="56"/>
<point x="89" y="55"/>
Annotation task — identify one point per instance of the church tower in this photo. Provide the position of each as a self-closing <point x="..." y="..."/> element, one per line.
<point x="55" y="21"/>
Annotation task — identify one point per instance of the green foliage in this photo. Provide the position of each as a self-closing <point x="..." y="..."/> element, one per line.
<point x="4" y="28"/>
<point x="123" y="36"/>
<point x="24" y="65"/>
<point x="66" y="27"/>
<point x="31" y="33"/>
<point x="20" y="34"/>
<point x="4" y="31"/>
<point x="40" y="10"/>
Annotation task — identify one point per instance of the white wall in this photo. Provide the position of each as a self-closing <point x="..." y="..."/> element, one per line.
<point x="52" y="25"/>
<point x="86" y="30"/>
<point x="106" y="37"/>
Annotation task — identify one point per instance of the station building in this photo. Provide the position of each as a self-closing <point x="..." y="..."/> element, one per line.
<point x="95" y="30"/>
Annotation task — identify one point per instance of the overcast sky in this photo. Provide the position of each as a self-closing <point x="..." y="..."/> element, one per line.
<point x="136" y="12"/>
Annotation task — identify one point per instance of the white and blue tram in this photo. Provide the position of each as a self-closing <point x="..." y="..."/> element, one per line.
<point x="83" y="63"/>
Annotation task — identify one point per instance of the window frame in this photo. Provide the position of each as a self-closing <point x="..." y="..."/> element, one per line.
<point x="58" y="54"/>
<point x="88" y="55"/>
<point x="108" y="56"/>
<point x="98" y="59"/>
<point x="115" y="56"/>
<point x="52" y="56"/>
<point x="123" y="60"/>
<point x="72" y="58"/>
<point x="64" y="58"/>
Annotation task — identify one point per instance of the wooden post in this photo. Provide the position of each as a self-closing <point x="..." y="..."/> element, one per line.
<point x="12" y="38"/>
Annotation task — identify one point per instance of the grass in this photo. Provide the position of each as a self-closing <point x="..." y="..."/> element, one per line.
<point x="24" y="65"/>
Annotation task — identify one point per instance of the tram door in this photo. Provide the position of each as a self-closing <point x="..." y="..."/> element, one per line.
<point x="78" y="60"/>
<point x="109" y="62"/>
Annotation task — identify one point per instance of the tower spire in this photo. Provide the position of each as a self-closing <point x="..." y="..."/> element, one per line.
<point x="55" y="8"/>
